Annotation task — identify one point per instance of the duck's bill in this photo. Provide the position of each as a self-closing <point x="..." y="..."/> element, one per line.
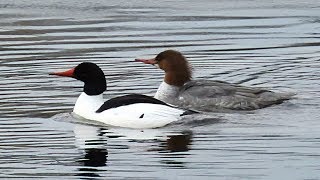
<point x="68" y="73"/>
<point x="147" y="61"/>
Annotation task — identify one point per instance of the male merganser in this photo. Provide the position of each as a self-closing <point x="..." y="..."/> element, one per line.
<point x="207" y="95"/>
<point x="132" y="111"/>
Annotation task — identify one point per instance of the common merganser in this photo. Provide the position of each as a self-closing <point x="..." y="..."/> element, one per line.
<point x="131" y="111"/>
<point x="206" y="95"/>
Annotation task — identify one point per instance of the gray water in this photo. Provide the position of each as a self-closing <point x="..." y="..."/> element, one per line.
<point x="254" y="43"/>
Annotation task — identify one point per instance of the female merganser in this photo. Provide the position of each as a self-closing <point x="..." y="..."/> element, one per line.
<point x="132" y="111"/>
<point x="207" y="95"/>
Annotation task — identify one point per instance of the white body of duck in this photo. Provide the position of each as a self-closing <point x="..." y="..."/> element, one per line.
<point x="137" y="115"/>
<point x="207" y="95"/>
<point x="132" y="111"/>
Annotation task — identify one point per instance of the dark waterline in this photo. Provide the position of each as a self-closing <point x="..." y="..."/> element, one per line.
<point x="262" y="44"/>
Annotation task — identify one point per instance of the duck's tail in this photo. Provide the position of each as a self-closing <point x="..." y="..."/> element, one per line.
<point x="271" y="98"/>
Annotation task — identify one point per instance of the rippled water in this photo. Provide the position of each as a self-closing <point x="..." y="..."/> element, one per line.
<point x="254" y="43"/>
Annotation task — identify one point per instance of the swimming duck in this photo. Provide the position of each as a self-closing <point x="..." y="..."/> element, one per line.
<point x="131" y="111"/>
<point x="179" y="89"/>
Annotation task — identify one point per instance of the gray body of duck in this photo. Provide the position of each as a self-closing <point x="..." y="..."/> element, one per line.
<point x="207" y="95"/>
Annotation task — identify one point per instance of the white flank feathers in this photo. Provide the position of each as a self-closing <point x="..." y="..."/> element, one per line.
<point x="139" y="115"/>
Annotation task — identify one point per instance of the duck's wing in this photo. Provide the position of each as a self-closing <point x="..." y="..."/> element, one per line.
<point x="210" y="88"/>
<point x="139" y="98"/>
<point x="127" y="100"/>
<point x="226" y="95"/>
<point x="138" y="111"/>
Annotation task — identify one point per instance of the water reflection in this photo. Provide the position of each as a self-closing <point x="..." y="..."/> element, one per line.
<point x="92" y="142"/>
<point x="174" y="144"/>
<point x="93" y="157"/>
<point x="178" y="143"/>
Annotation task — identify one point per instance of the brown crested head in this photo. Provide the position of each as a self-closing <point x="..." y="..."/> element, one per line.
<point x="178" y="70"/>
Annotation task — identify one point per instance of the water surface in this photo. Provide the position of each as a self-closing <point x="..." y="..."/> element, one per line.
<point x="253" y="43"/>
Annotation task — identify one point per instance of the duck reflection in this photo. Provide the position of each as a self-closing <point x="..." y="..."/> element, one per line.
<point x="92" y="142"/>
<point x="95" y="157"/>
<point x="178" y="143"/>
<point x="171" y="149"/>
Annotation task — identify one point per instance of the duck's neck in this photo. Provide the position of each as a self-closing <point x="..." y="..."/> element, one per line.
<point x="167" y="92"/>
<point x="177" y="78"/>
<point x="87" y="105"/>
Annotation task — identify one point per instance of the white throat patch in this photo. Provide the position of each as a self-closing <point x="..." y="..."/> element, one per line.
<point x="166" y="92"/>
